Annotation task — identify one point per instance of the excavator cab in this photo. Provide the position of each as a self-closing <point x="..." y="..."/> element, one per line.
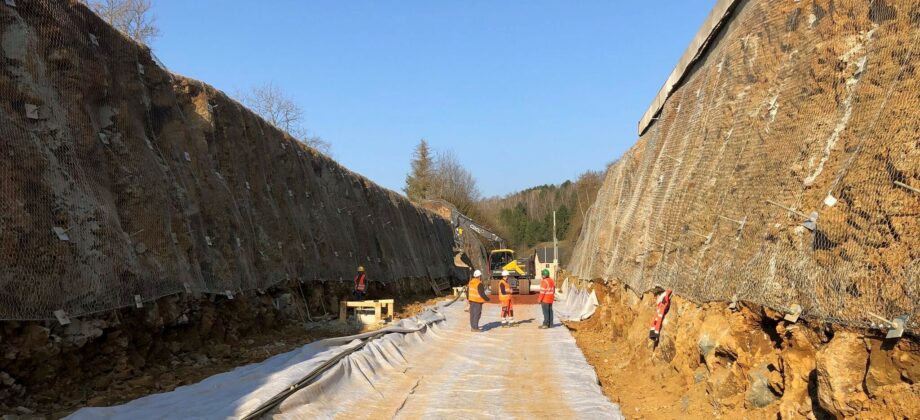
<point x="499" y="259"/>
<point x="520" y="270"/>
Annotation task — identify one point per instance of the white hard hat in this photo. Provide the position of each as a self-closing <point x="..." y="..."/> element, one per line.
<point x="477" y="273"/>
<point x="505" y="273"/>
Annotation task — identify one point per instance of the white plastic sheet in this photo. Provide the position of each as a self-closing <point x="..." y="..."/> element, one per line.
<point x="574" y="303"/>
<point x="237" y="393"/>
<point x="426" y="371"/>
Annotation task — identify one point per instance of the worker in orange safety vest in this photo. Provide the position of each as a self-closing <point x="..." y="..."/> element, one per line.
<point x="504" y="297"/>
<point x="360" y="284"/>
<point x="662" y="304"/>
<point x="546" y="297"/>
<point x="476" y="295"/>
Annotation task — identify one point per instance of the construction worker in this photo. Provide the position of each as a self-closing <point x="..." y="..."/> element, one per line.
<point x="476" y="294"/>
<point x="504" y="296"/>
<point x="546" y="296"/>
<point x="360" y="284"/>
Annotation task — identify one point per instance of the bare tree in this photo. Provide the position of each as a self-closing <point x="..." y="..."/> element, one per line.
<point x="133" y="17"/>
<point x="454" y="183"/>
<point x="272" y="104"/>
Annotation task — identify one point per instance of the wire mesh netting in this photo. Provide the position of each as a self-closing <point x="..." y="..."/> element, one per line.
<point x="784" y="170"/>
<point x="121" y="181"/>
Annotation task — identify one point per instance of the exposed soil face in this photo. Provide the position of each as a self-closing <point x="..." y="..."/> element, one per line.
<point x="52" y="371"/>
<point x="715" y="362"/>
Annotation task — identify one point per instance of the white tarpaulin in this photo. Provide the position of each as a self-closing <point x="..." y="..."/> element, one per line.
<point x="434" y="368"/>
<point x="574" y="303"/>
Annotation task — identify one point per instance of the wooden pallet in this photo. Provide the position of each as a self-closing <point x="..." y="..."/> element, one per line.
<point x="439" y="287"/>
<point x="379" y="306"/>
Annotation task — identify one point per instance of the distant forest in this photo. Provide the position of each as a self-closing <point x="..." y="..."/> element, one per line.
<point x="525" y="218"/>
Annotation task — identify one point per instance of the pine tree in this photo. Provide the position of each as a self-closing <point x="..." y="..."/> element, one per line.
<point x="418" y="182"/>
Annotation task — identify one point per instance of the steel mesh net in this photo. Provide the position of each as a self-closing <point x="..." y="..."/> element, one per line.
<point x="781" y="170"/>
<point x="122" y="181"/>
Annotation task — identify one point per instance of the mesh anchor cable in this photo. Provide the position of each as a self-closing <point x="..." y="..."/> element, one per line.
<point x="734" y="303"/>
<point x="138" y="302"/>
<point x="32" y="111"/>
<point x="61" y="233"/>
<point x="793" y="313"/>
<point x="895" y="326"/>
<point x="708" y="237"/>
<point x="62" y="317"/>
<point x="811" y="223"/>
<point x="789" y="209"/>
<point x="907" y="187"/>
<point x="673" y="158"/>
<point x="811" y="220"/>
<point x="740" y="224"/>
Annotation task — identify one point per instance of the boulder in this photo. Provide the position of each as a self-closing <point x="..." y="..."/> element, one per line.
<point x="724" y="384"/>
<point x="666" y="348"/>
<point x="841" y="368"/>
<point x="906" y="357"/>
<point x="882" y="370"/>
<point x="761" y="393"/>
<point x="81" y="331"/>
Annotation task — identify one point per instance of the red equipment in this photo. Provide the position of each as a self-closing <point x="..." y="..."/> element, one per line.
<point x="664" y="303"/>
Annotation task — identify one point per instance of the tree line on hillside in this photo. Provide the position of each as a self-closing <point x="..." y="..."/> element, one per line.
<point x="526" y="217"/>
<point x="523" y="218"/>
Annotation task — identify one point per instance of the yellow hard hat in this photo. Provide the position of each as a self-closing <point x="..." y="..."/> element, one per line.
<point x="360" y="268"/>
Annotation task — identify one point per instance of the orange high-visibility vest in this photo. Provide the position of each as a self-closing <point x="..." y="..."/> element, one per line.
<point x="663" y="304"/>
<point x="359" y="282"/>
<point x="504" y="297"/>
<point x="547" y="290"/>
<point x="473" y="291"/>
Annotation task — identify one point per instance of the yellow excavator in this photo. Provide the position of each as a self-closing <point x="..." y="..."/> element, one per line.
<point x="521" y="269"/>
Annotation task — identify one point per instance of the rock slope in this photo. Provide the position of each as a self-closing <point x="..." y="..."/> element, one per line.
<point x="780" y="171"/>
<point x="121" y="181"/>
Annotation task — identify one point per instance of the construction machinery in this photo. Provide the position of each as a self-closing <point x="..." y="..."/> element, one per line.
<point x="470" y="250"/>
<point x="521" y="270"/>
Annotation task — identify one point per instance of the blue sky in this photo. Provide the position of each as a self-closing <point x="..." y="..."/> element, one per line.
<point x="525" y="92"/>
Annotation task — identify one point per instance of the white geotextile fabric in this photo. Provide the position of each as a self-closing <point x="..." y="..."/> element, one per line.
<point x="239" y="392"/>
<point x="574" y="303"/>
<point x="431" y="371"/>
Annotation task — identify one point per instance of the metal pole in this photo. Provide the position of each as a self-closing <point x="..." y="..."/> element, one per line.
<point x="555" y="242"/>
